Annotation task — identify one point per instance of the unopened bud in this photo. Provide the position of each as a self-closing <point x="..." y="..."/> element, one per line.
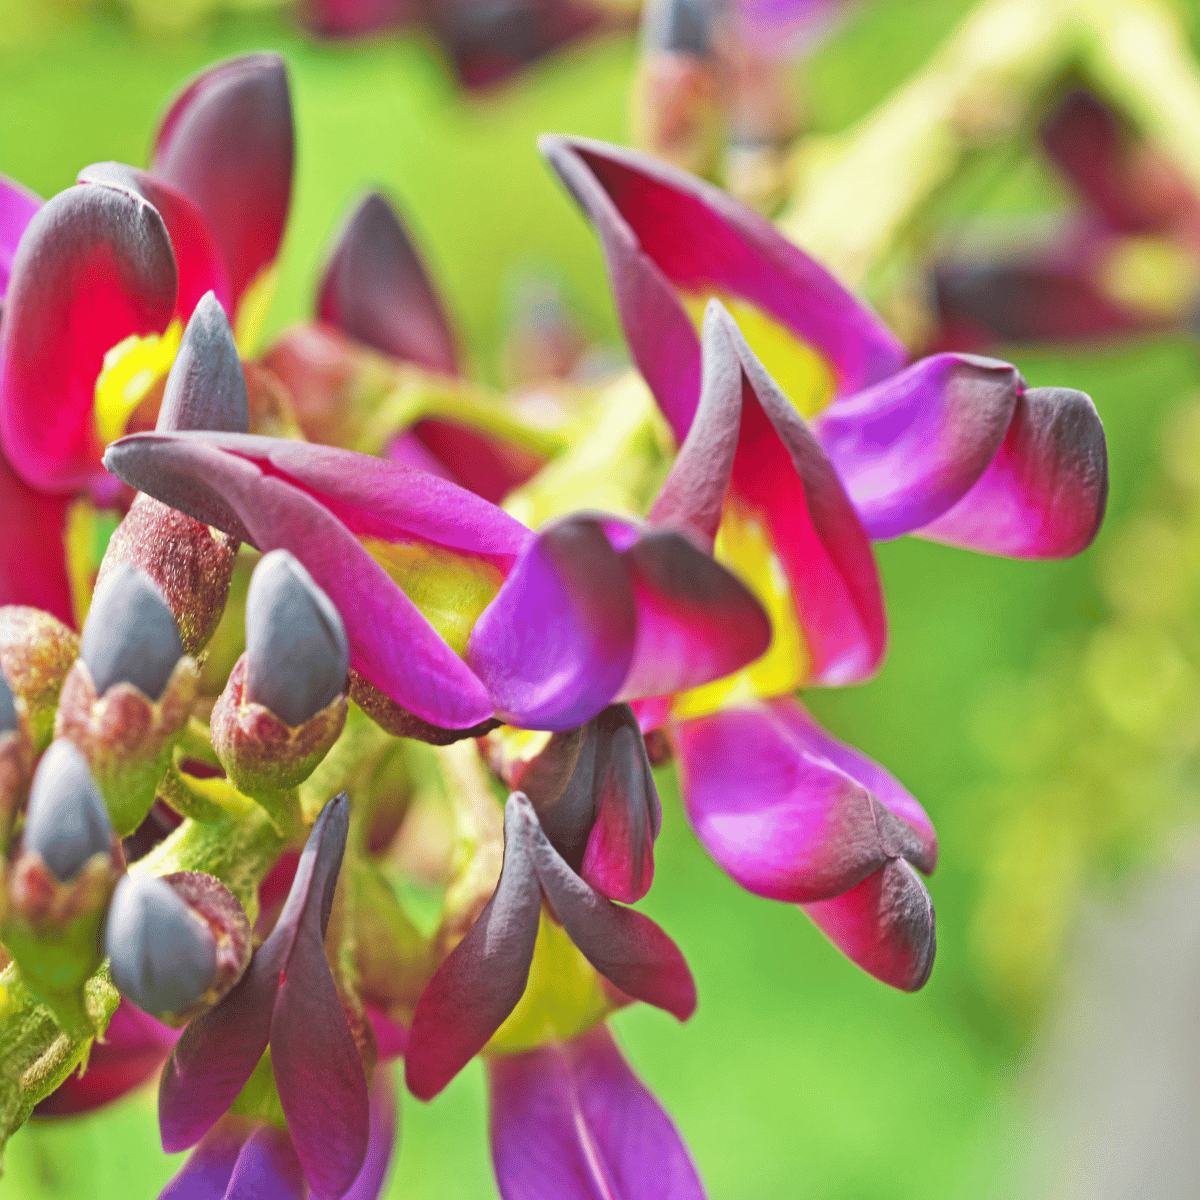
<point x="129" y="695"/>
<point x="285" y="703"/>
<point x="296" y="648"/>
<point x="60" y="884"/>
<point x="8" y="707"/>
<point x="66" y="822"/>
<point x="16" y="757"/>
<point x="176" y="944"/>
<point x="36" y="652"/>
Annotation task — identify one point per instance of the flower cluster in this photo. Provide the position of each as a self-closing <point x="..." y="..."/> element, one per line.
<point x="347" y="620"/>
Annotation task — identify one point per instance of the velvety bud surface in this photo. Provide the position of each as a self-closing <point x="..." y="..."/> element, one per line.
<point x="8" y="707"/>
<point x="298" y="655"/>
<point x="66" y="822"/>
<point x="163" y="957"/>
<point x="130" y="634"/>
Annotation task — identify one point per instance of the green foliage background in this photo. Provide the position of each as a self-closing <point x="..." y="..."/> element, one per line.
<point x="799" y="1076"/>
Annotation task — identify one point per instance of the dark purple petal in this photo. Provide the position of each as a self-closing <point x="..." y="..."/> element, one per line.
<point x="196" y="254"/>
<point x="317" y="502"/>
<point x="785" y="823"/>
<point x="627" y="948"/>
<point x="373" y="1175"/>
<point x="1044" y="494"/>
<point x="17" y="206"/>
<point x="885" y="925"/>
<point x="910" y="448"/>
<point x="556" y="644"/>
<point x="268" y="1166"/>
<point x="33" y="569"/>
<point x="781" y="472"/>
<point x="95" y="266"/>
<point x="376" y="289"/>
<point x="696" y="621"/>
<point x="571" y="1120"/>
<point x="206" y="1174"/>
<point x="663" y="229"/>
<point x="813" y="739"/>
<point x="483" y="977"/>
<point x="227" y="144"/>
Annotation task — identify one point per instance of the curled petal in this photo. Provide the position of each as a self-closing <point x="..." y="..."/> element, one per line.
<point x="227" y="144"/>
<point x="33" y="569"/>
<point x="1044" y="494"/>
<point x="267" y="1165"/>
<point x="206" y="1174"/>
<point x="483" y="977"/>
<point x="318" y="502"/>
<point x="376" y="289"/>
<point x="784" y="822"/>
<point x="781" y="471"/>
<point x="663" y="230"/>
<point x="369" y="1183"/>
<point x="911" y="447"/>
<point x="17" y="206"/>
<point x="196" y="254"/>
<point x="885" y="925"/>
<point x="94" y="267"/>
<point x="556" y="644"/>
<point x="571" y="1120"/>
<point x="813" y="739"/>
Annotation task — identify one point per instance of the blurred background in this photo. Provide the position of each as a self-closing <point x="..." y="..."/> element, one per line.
<point x="1044" y="713"/>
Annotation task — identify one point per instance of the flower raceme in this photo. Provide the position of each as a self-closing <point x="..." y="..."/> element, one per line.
<point x="103" y="278"/>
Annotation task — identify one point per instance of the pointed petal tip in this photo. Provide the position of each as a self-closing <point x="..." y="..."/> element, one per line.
<point x="206" y="386"/>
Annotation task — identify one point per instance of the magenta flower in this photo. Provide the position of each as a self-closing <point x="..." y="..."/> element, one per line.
<point x="482" y="979"/>
<point x="570" y="1119"/>
<point x="287" y="999"/>
<point x="950" y="448"/>
<point x="241" y="1157"/>
<point x="17" y="207"/>
<point x="455" y="611"/>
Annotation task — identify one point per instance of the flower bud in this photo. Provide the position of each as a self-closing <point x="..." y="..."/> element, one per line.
<point x="176" y="944"/>
<point x="189" y="563"/>
<point x="130" y="693"/>
<point x="16" y="756"/>
<point x="36" y="652"/>
<point x="60" y="883"/>
<point x="285" y="703"/>
<point x="296" y="648"/>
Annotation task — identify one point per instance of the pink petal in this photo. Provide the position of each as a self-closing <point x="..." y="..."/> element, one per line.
<point x="353" y="18"/>
<point x="572" y="1121"/>
<point x="196" y="254"/>
<point x="663" y="229"/>
<point x="1044" y="494"/>
<point x="95" y="265"/>
<point x="227" y="144"/>
<point x="784" y="822"/>
<point x="910" y="448"/>
<point x="885" y="925"/>
<point x="376" y="289"/>
<point x="33" y="567"/>
<point x="17" y="206"/>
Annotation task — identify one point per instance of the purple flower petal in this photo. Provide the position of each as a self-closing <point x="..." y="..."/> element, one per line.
<point x="33" y="568"/>
<point x="95" y="265"/>
<point x="813" y="739"/>
<point x="353" y="18"/>
<point x="17" y="206"/>
<point x="784" y="822"/>
<point x="196" y="254"/>
<point x="376" y="289"/>
<point x="1044" y="494"/>
<point x="663" y="229"/>
<point x="627" y="948"/>
<point x="556" y="644"/>
<point x="885" y="925"/>
<point x="391" y="1037"/>
<point x="572" y="1121"/>
<point x="910" y="448"/>
<point x="318" y="502"/>
<point x="781" y="471"/>
<point x="483" y="977"/>
<point x="373" y="1175"/>
<point x="227" y="144"/>
<point x="268" y="1166"/>
<point x="206" y="1174"/>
